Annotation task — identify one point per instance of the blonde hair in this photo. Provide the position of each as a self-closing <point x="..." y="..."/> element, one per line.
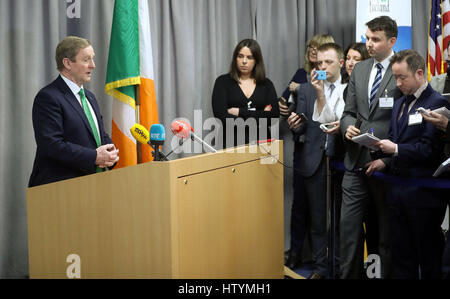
<point x="317" y="41"/>
<point x="69" y="48"/>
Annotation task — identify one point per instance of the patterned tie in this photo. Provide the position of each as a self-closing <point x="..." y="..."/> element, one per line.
<point x="376" y="84"/>
<point x="332" y="87"/>
<point x="87" y="111"/>
<point x="408" y="100"/>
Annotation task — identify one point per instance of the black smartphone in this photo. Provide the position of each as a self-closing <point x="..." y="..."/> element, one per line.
<point x="283" y="101"/>
<point x="303" y="117"/>
<point x="358" y="123"/>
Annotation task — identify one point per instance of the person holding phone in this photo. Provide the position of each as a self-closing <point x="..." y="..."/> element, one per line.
<point x="442" y="123"/>
<point x="302" y="75"/>
<point x="318" y="145"/>
<point x="287" y="104"/>
<point x="327" y="79"/>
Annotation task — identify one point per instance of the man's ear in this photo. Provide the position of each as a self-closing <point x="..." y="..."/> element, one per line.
<point x="419" y="74"/>
<point x="392" y="41"/>
<point x="341" y="62"/>
<point x="66" y="62"/>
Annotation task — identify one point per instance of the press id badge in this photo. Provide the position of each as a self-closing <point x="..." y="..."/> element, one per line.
<point x="386" y="102"/>
<point x="415" y="119"/>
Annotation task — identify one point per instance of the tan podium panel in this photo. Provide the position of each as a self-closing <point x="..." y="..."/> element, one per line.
<point x="209" y="216"/>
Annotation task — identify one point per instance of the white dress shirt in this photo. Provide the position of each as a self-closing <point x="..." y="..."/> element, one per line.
<point x="334" y="106"/>
<point x="385" y="63"/>
<point x="75" y="90"/>
<point x="417" y="95"/>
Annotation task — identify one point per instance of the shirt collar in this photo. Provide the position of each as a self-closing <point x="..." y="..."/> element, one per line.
<point x="421" y="89"/>
<point x="336" y="83"/>
<point x="385" y="63"/>
<point x="72" y="85"/>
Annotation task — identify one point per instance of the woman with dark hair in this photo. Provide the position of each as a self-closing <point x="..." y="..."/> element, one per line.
<point x="246" y="93"/>
<point x="354" y="53"/>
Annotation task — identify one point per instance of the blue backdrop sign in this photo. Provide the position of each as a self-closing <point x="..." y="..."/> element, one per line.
<point x="399" y="10"/>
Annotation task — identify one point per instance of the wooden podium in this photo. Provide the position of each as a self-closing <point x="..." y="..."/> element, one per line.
<point x="204" y="217"/>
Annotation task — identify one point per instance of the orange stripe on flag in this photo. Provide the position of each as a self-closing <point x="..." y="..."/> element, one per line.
<point x="127" y="148"/>
<point x="148" y="112"/>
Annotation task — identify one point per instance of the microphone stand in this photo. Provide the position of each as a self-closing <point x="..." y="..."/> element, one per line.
<point x="157" y="154"/>
<point x="181" y="141"/>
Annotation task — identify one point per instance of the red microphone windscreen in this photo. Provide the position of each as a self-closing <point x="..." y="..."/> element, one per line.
<point x="181" y="128"/>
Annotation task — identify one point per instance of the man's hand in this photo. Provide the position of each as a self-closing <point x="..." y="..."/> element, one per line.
<point x="377" y="165"/>
<point x="387" y="146"/>
<point x="317" y="84"/>
<point x="438" y="120"/>
<point x="294" y="121"/>
<point x="293" y="86"/>
<point x="335" y="130"/>
<point x="107" y="156"/>
<point x="351" y="132"/>
<point x="284" y="109"/>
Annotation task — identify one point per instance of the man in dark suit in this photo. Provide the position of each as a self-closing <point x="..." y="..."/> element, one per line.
<point x="371" y="80"/>
<point x="317" y="146"/>
<point x="416" y="150"/>
<point x="442" y="123"/>
<point x="71" y="140"/>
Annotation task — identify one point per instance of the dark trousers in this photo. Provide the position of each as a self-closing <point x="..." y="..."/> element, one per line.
<point x="446" y="255"/>
<point x="357" y="192"/>
<point x="299" y="210"/>
<point x="335" y="215"/>
<point x="416" y="237"/>
<point x="316" y="194"/>
<point x="446" y="258"/>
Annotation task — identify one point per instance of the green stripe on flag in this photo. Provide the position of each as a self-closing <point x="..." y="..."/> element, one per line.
<point x="123" y="63"/>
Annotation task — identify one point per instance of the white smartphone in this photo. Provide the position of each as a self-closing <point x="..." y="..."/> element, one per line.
<point x="326" y="127"/>
<point x="424" y="111"/>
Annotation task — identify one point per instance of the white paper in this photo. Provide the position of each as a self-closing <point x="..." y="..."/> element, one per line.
<point x="367" y="140"/>
<point x="442" y="168"/>
<point x="444" y="111"/>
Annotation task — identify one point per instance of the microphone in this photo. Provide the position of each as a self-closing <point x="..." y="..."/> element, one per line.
<point x="141" y="134"/>
<point x="184" y="130"/>
<point x="157" y="137"/>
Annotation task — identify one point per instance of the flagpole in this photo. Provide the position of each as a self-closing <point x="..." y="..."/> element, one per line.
<point x="429" y="33"/>
<point x="442" y="36"/>
<point x="138" y="121"/>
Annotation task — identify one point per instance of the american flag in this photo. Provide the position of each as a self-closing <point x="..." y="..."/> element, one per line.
<point x="439" y="36"/>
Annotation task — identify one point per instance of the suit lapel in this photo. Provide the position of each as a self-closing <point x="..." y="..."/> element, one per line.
<point x="416" y="105"/>
<point x="386" y="78"/>
<point x="366" y="78"/>
<point x="72" y="100"/>
<point x="396" y="114"/>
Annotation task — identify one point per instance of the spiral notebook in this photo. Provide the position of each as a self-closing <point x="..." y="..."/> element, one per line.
<point x="367" y="140"/>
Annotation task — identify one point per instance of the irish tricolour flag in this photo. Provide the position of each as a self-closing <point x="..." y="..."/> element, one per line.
<point x="130" y="77"/>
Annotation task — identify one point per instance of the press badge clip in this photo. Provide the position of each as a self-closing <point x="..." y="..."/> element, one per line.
<point x="386" y="102"/>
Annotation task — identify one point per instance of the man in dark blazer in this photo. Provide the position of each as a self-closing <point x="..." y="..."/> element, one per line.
<point x="371" y="80"/>
<point x="71" y="140"/>
<point x="317" y="146"/>
<point x="442" y="123"/>
<point x="416" y="150"/>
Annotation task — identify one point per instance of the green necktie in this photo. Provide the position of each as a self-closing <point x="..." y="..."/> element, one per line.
<point x="87" y="111"/>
